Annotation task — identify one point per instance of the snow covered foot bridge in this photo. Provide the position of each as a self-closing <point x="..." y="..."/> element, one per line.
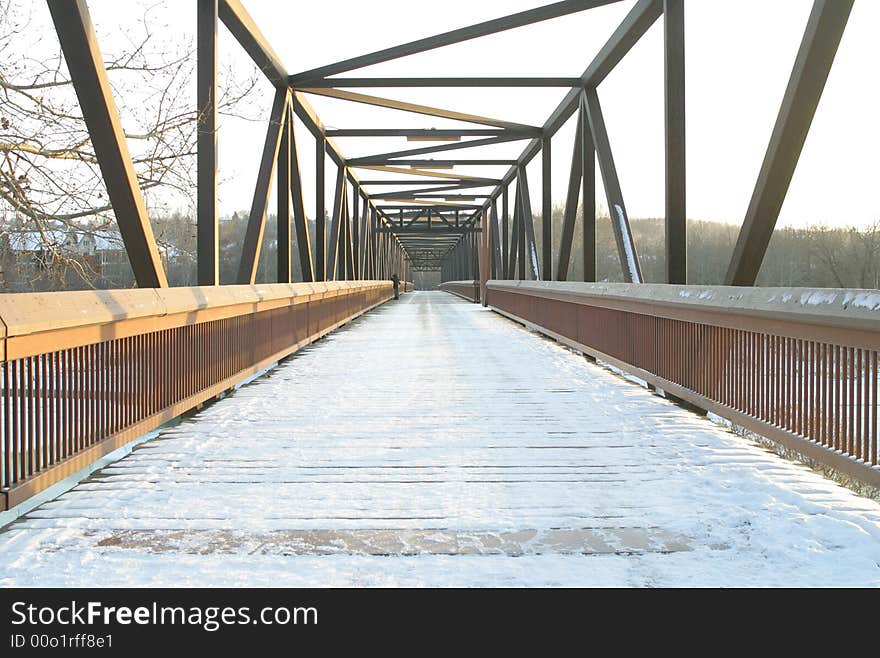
<point x="434" y="442"/>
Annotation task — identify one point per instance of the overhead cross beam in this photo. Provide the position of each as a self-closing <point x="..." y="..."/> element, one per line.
<point x="383" y="158"/>
<point x="429" y="132"/>
<point x="412" y="107"/>
<point x="448" y="38"/>
<point x="359" y="83"/>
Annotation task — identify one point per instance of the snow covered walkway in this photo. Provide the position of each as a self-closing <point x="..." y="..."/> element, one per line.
<point x="433" y="442"/>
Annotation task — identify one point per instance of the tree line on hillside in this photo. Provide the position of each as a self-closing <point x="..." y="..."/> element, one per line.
<point x="816" y="256"/>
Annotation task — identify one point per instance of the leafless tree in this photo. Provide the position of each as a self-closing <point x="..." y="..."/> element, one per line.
<point x="49" y="176"/>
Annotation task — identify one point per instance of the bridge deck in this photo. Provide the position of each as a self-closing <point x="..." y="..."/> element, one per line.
<point x="518" y="463"/>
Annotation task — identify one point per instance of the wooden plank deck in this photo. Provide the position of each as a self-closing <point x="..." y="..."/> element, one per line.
<point x="433" y="442"/>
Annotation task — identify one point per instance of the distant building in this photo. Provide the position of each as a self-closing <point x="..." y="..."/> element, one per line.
<point x="28" y="258"/>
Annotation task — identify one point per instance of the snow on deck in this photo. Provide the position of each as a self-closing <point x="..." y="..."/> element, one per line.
<point x="433" y="442"/>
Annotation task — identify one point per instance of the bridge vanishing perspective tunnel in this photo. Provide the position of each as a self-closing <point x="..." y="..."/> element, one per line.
<point x="510" y="427"/>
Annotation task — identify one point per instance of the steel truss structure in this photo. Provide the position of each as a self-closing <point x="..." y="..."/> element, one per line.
<point x="428" y="218"/>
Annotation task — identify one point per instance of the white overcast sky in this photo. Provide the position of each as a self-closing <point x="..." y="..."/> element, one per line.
<point x="739" y="58"/>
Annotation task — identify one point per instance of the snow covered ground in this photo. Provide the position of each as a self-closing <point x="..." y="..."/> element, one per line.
<point x="433" y="442"/>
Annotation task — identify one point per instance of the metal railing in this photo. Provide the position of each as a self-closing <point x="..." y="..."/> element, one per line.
<point x="797" y="366"/>
<point x="83" y="373"/>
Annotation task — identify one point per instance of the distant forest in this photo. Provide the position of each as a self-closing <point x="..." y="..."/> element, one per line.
<point x="817" y="256"/>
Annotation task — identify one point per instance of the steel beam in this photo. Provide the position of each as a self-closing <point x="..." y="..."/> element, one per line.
<point x="433" y="231"/>
<point x="546" y="211"/>
<point x="300" y="221"/>
<point x="448" y="38"/>
<point x="626" y="248"/>
<point x="427" y="132"/>
<point x="362" y="83"/>
<point x="207" y="227"/>
<point x="811" y="67"/>
<point x="674" y="114"/>
<point x="335" y="221"/>
<point x="383" y="158"/>
<point x="634" y="25"/>
<point x="414" y="193"/>
<point x="392" y="169"/>
<point x="496" y="242"/>
<point x="86" y="65"/>
<point x="283" y="252"/>
<point x="514" y="238"/>
<point x="531" y="251"/>
<point x="462" y="162"/>
<point x="404" y="106"/>
<point x="348" y="245"/>
<point x="505" y="234"/>
<point x="253" y="238"/>
<point x="571" y="202"/>
<point x="588" y="193"/>
<point x="240" y="24"/>
<point x="320" y="210"/>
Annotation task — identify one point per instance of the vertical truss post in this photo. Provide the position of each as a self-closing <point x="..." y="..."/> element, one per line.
<point x="531" y="254"/>
<point x="674" y="109"/>
<point x="342" y="240"/>
<point x="626" y="248"/>
<point x="207" y="238"/>
<point x="571" y="201"/>
<point x="810" y="72"/>
<point x="350" y="229"/>
<point x="320" y="211"/>
<point x="300" y="221"/>
<point x="363" y="244"/>
<point x="505" y="234"/>
<point x="86" y="66"/>
<point x="253" y="238"/>
<point x="283" y="201"/>
<point x="374" y="224"/>
<point x="546" y="211"/>
<point x="514" y="240"/>
<point x="496" y="242"/>
<point x="588" y="192"/>
<point x="335" y="221"/>
<point x="521" y="234"/>
<point x="356" y="233"/>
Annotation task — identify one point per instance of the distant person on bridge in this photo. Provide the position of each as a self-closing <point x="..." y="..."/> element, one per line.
<point x="396" y="281"/>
